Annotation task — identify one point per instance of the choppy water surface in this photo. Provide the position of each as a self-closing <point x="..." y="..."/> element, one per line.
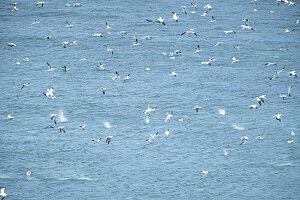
<point x="70" y="166"/>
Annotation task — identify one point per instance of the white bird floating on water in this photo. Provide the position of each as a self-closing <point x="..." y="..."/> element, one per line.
<point x="147" y="37"/>
<point x="116" y="75"/>
<point x="290" y="141"/>
<point x="77" y="5"/>
<point x="253" y="106"/>
<point x="288" y="31"/>
<point x="97" y="35"/>
<point x="259" y="138"/>
<point x="101" y="67"/>
<point x="127" y="77"/>
<point x="198" y="49"/>
<point x="69" y="25"/>
<point x="282" y="96"/>
<point x="9" y="117"/>
<point x="48" y="37"/>
<point x="3" y="194"/>
<point x="278" y="117"/>
<point x="35" y="22"/>
<point x="270" y="63"/>
<point x="219" y="43"/>
<point x="227" y="32"/>
<point x="204" y="172"/>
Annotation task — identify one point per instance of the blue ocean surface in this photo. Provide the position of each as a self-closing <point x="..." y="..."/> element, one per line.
<point x="70" y="166"/>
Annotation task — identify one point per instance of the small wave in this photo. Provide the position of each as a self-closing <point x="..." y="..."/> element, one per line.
<point x="76" y="179"/>
<point x="285" y="164"/>
<point x="238" y="127"/>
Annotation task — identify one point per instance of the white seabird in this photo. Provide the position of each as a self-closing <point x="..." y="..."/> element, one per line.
<point x="183" y="9"/>
<point x="28" y="173"/>
<point x="198" y="49"/>
<point x="149" y="110"/>
<point x="208" y="6"/>
<point x="116" y="75"/>
<point x="97" y="35"/>
<point x="219" y="43"/>
<point x="102" y="89"/>
<point x="40" y="3"/>
<point x="61" y="129"/>
<point x="167" y="132"/>
<point x="127" y="77"/>
<point x="69" y="25"/>
<point x="289" y="91"/>
<point x="109" y="49"/>
<point x="77" y="5"/>
<point x="288" y="31"/>
<point x="50" y="68"/>
<point x="237" y="47"/>
<point x="293" y="73"/>
<point x="204" y="172"/>
<point x="206" y="63"/>
<point x="123" y="32"/>
<point x="11" y="44"/>
<point x="175" y="17"/>
<point x="227" y="32"/>
<point x="270" y="63"/>
<point x="247" y="27"/>
<point x="253" y="106"/>
<point x="108" y="139"/>
<point x="48" y="37"/>
<point x="173" y="74"/>
<point x="97" y="141"/>
<point x="82" y="127"/>
<point x="152" y="137"/>
<point x="101" y="67"/>
<point x="35" y="22"/>
<point x="259" y="138"/>
<point x="278" y="117"/>
<point x="197" y="108"/>
<point x="212" y="19"/>
<point x="168" y="118"/>
<point x="107" y="27"/>
<point x="9" y="117"/>
<point x="204" y="14"/>
<point x="191" y="31"/>
<point x="147" y="37"/>
<point x="276" y="75"/>
<point x="3" y="194"/>
<point x="282" y="96"/>
<point x="136" y="42"/>
<point x="25" y="85"/>
<point x="50" y="93"/>
<point x="234" y="59"/>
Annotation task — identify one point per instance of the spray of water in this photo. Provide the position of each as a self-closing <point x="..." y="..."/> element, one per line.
<point x="222" y="112"/>
<point x="107" y="125"/>
<point x="61" y="117"/>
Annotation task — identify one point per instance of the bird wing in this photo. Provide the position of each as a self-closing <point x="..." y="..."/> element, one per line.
<point x="148" y="20"/>
<point x="183" y="33"/>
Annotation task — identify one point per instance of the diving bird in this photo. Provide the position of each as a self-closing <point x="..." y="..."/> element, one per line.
<point x="3" y="194"/>
<point x="278" y="117"/>
<point x="25" y="85"/>
<point x="183" y="9"/>
<point x="108" y="139"/>
<point x="191" y="31"/>
<point x="197" y="108"/>
<point x="175" y="17"/>
<point x="149" y="110"/>
<point x="289" y="91"/>
<point x="69" y="25"/>
<point x="116" y="75"/>
<point x="40" y="3"/>
<point x="204" y="14"/>
<point x="212" y="19"/>
<point x="293" y="73"/>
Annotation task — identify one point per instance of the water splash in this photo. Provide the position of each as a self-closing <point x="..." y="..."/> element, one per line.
<point x="107" y="125"/>
<point x="61" y="117"/>
<point x="225" y="152"/>
<point x="147" y="120"/>
<point x="238" y="127"/>
<point x="222" y="112"/>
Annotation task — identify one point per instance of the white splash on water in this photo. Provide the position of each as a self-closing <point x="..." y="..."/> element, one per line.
<point x="222" y="112"/>
<point x="61" y="117"/>
<point x="225" y="152"/>
<point x="238" y="127"/>
<point x="107" y="125"/>
<point x="147" y="120"/>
